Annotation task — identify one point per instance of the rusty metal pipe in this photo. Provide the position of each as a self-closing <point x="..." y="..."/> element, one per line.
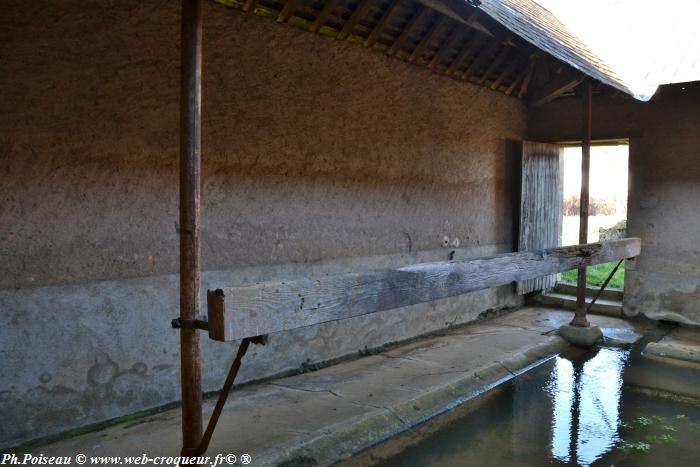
<point x="223" y="395"/>
<point x="580" y="314"/>
<point x="190" y="186"/>
<point x="605" y="284"/>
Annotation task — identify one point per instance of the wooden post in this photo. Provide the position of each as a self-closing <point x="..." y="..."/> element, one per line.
<point x="190" y="158"/>
<point x="580" y="314"/>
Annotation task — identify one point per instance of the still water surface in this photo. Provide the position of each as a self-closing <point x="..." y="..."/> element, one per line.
<point x="575" y="409"/>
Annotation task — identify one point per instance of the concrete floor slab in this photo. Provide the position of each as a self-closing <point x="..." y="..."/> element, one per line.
<point x="334" y="412"/>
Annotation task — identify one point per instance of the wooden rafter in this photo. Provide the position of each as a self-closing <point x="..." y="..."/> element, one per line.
<point x="250" y="5"/>
<point x="420" y="48"/>
<point x="447" y="45"/>
<point x="512" y="66"/>
<point x="396" y="46"/>
<point x="462" y="12"/>
<point x="322" y="16"/>
<point x="562" y="83"/>
<point x="354" y="18"/>
<point x="524" y="77"/>
<point x="509" y="90"/>
<point x="457" y="40"/>
<point x="466" y="52"/>
<point x="526" y="82"/>
<point x="495" y="64"/>
<point x="474" y="66"/>
<point x="379" y="27"/>
<point x="287" y="11"/>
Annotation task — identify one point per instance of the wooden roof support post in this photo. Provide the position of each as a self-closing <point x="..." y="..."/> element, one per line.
<point x="580" y="314"/>
<point x="190" y="158"/>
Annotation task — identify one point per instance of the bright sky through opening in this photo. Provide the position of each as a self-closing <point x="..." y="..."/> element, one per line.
<point x="645" y="42"/>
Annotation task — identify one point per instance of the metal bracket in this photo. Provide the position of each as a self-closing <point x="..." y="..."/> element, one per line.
<point x="223" y="394"/>
<point x="259" y="340"/>
<point x="605" y="284"/>
<point x="179" y="323"/>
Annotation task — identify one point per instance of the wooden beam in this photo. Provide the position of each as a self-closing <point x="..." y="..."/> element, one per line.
<point x="459" y="10"/>
<point x="396" y="46"/>
<point x="420" y="48"/>
<point x="354" y="18"/>
<point x="562" y="83"/>
<point x="264" y="308"/>
<point x="322" y="16"/>
<point x="379" y="27"/>
<point x="287" y="11"/>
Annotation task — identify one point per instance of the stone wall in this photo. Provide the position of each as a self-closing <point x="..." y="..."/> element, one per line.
<point x="319" y="157"/>
<point x="664" y="189"/>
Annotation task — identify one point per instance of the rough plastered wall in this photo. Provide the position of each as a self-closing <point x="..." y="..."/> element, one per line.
<point x="664" y="191"/>
<point x="318" y="157"/>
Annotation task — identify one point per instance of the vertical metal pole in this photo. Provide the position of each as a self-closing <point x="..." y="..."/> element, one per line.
<point x="580" y="314"/>
<point x="190" y="158"/>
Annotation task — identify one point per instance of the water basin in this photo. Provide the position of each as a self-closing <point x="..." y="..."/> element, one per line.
<point x="580" y="408"/>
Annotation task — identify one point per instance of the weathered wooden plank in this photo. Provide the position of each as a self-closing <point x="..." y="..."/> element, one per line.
<point x="541" y="199"/>
<point x="238" y="312"/>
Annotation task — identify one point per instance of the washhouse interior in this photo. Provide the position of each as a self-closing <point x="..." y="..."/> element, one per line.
<point x="360" y="232"/>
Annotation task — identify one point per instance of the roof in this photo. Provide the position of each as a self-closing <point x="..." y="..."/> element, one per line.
<point x="541" y="28"/>
<point x="516" y="47"/>
<point x="457" y="41"/>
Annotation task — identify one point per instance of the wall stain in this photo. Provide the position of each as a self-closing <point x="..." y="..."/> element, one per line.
<point x="103" y="371"/>
<point x="681" y="302"/>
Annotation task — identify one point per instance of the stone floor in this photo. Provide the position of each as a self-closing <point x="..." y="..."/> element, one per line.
<point x="332" y="413"/>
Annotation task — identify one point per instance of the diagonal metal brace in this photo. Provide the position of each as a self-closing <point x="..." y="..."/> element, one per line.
<point x="605" y="284"/>
<point x="225" y="390"/>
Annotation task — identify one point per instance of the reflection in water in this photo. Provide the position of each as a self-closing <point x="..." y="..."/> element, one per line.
<point x="571" y="410"/>
<point x="560" y="387"/>
<point x="585" y="392"/>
